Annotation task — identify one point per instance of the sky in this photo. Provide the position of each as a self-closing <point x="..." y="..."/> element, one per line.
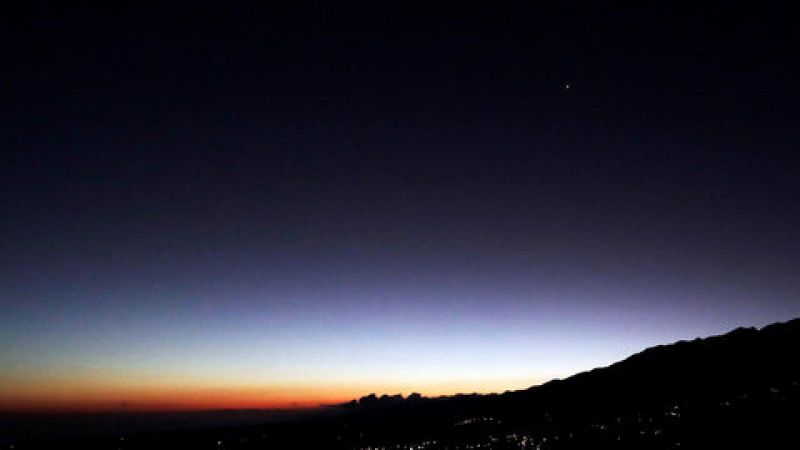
<point x="237" y="206"/>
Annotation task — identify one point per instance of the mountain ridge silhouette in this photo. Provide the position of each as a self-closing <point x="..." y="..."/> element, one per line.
<point x="738" y="388"/>
<point x="714" y="367"/>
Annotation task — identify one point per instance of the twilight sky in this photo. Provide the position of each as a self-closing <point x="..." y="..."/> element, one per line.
<point x="238" y="206"/>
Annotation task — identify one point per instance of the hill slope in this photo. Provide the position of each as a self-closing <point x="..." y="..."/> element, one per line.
<point x="743" y="361"/>
<point x="734" y="389"/>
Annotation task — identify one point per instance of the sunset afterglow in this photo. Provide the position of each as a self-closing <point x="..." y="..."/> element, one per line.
<point x="280" y="205"/>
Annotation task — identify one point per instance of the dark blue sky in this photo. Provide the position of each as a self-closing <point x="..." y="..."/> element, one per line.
<point x="387" y="197"/>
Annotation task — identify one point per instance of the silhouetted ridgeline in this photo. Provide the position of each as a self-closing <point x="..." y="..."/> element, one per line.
<point x="732" y="390"/>
<point x="741" y="387"/>
<point x="744" y="360"/>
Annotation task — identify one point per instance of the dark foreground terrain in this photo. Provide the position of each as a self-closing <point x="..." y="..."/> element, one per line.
<point x="739" y="389"/>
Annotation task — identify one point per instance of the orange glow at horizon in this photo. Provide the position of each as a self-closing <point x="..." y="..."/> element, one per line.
<point x="64" y="397"/>
<point x="166" y="400"/>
